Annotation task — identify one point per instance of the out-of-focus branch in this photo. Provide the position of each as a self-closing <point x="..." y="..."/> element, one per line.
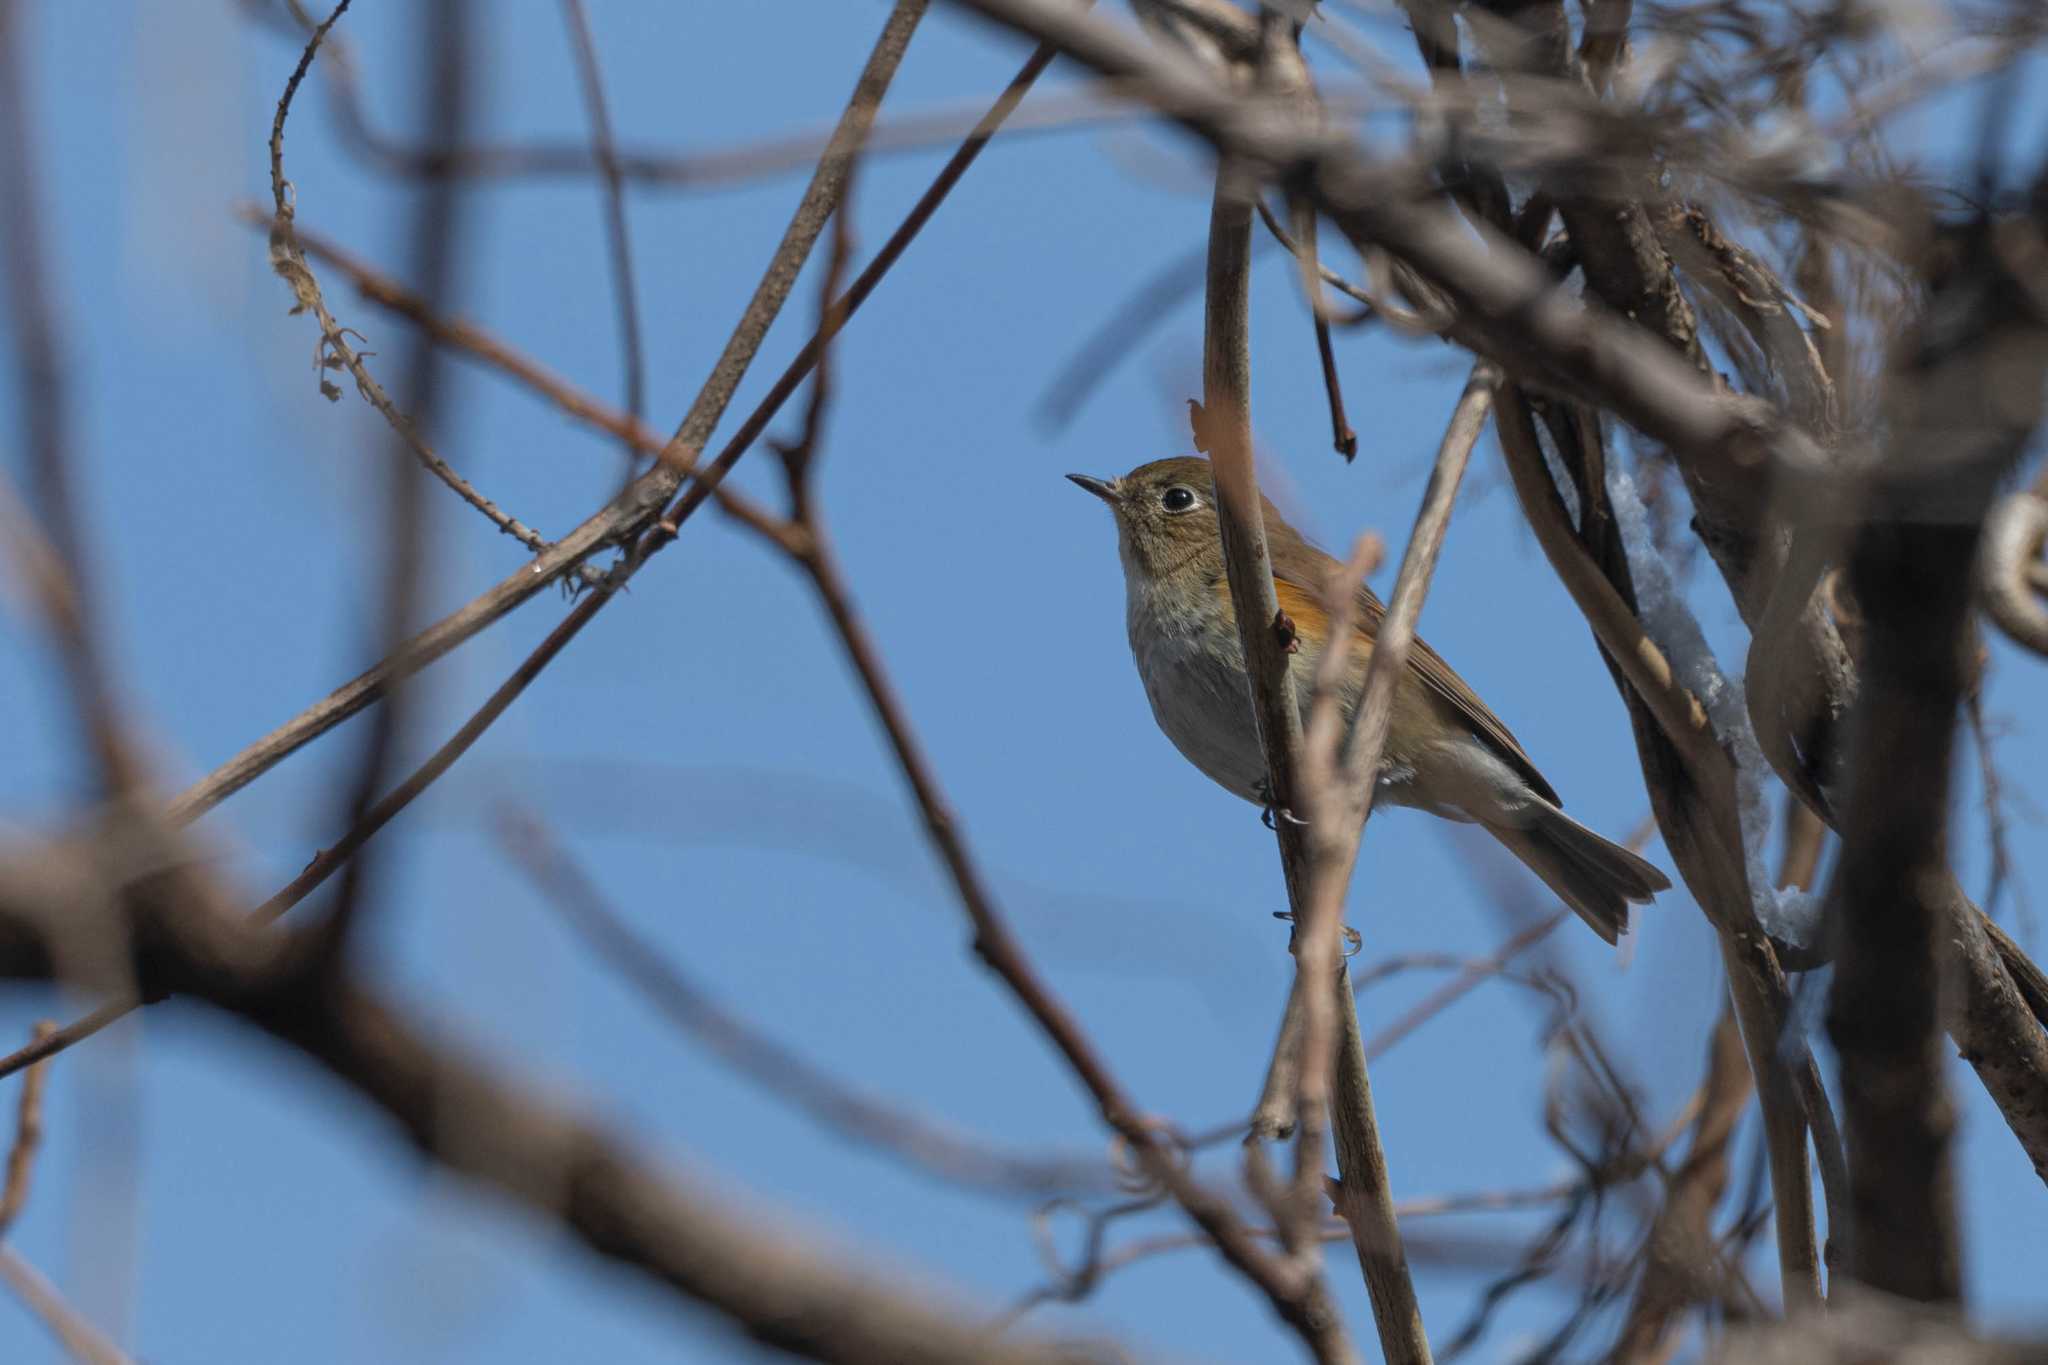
<point x="336" y="855"/>
<point x="629" y="510"/>
<point x="1959" y="419"/>
<point x="28" y="1137"/>
<point x="1463" y="983"/>
<point x="1862" y="1328"/>
<point x="603" y="150"/>
<point x="48" y="542"/>
<point x="785" y="1073"/>
<point x="2013" y="536"/>
<point x="1681" y="1250"/>
<point x="445" y="37"/>
<point x="562" y="1168"/>
<point x="86" y="1343"/>
<point x="1118" y="335"/>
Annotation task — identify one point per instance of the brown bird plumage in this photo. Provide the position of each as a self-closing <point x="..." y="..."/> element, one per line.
<point x="1447" y="752"/>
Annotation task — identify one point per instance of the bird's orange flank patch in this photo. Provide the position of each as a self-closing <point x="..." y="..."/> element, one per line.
<point x="1311" y="620"/>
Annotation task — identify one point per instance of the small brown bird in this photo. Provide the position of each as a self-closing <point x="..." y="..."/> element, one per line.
<point x="1446" y="752"/>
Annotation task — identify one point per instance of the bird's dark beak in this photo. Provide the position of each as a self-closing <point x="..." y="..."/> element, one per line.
<point x="1101" y="489"/>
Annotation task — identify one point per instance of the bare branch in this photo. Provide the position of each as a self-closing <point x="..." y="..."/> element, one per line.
<point x="590" y="75"/>
<point x="86" y="1343"/>
<point x="51" y="554"/>
<point x="843" y="1111"/>
<point x="28" y="1136"/>
<point x="460" y="1114"/>
<point x="625" y="515"/>
<point x="334" y="350"/>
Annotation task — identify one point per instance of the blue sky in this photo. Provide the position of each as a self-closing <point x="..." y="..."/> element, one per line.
<point x="703" y="747"/>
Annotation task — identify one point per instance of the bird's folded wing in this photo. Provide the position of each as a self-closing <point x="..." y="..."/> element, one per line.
<point x="1303" y="602"/>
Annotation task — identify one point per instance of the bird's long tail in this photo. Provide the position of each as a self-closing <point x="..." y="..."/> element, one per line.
<point x="1594" y="876"/>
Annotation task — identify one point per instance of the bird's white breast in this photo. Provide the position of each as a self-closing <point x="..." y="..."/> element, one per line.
<point x="1191" y="662"/>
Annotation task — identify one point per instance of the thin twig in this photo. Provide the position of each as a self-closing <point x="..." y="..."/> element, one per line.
<point x="1469" y="976"/>
<point x="1118" y="335"/>
<point x="28" y="1136"/>
<point x="624" y="515"/>
<point x="472" y="339"/>
<point x="843" y="1111"/>
<point x="86" y="1343"/>
<point x="590" y="75"/>
<point x="1099" y="1260"/>
<point x="1679" y="1247"/>
<point x="1342" y="438"/>
<point x="334" y="350"/>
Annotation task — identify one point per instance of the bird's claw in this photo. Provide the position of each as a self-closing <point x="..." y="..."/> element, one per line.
<point x="1271" y="813"/>
<point x="1354" y="941"/>
<point x="1270" y="816"/>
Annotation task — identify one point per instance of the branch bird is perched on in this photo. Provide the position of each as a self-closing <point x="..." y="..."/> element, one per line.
<point x="1446" y="752"/>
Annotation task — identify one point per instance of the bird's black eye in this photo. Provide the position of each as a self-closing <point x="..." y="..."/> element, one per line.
<point x="1178" y="499"/>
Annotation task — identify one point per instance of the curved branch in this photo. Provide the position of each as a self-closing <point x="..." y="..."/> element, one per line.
<point x="2013" y="535"/>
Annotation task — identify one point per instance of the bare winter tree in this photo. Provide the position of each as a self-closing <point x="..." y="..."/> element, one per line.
<point x="1686" y="265"/>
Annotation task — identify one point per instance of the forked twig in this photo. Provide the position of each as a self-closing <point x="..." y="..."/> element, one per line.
<point x="629" y="510"/>
<point x="334" y="350"/>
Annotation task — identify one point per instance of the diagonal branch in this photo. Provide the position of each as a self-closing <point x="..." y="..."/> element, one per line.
<point x="86" y="1343"/>
<point x="561" y="1167"/>
<point x="782" y="1071"/>
<point x="630" y="509"/>
<point x="624" y="516"/>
